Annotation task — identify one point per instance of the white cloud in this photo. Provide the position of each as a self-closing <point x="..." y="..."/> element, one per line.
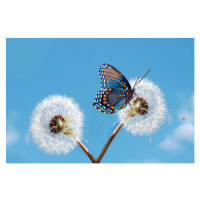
<point x="170" y="143"/>
<point x="192" y="101"/>
<point x="153" y="161"/>
<point x="12" y="136"/>
<point x="184" y="132"/>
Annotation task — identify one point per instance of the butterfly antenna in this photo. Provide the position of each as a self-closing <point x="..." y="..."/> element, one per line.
<point x="136" y="82"/>
<point x="143" y="76"/>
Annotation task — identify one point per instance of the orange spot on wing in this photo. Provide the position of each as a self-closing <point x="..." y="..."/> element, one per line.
<point x="104" y="95"/>
<point x="109" y="89"/>
<point x="106" y="92"/>
<point x="117" y="96"/>
<point x="124" y="86"/>
<point x="121" y="91"/>
<point x="108" y="104"/>
<point x="121" y="82"/>
<point x="104" y="102"/>
<point x="112" y="107"/>
<point x="122" y="95"/>
<point x="104" y="99"/>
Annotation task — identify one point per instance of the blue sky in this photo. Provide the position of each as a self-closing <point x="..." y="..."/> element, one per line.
<point x="36" y="68"/>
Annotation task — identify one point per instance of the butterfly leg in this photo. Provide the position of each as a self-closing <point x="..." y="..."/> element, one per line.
<point x="130" y="105"/>
<point x="135" y="95"/>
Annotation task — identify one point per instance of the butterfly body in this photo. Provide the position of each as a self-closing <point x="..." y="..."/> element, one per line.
<point x="115" y="90"/>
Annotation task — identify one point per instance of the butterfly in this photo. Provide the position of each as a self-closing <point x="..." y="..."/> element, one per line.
<point x="116" y="91"/>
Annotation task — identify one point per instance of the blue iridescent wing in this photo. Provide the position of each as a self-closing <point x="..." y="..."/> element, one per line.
<point x="109" y="101"/>
<point x="115" y="90"/>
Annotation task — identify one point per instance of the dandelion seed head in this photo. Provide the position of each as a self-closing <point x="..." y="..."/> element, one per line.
<point x="141" y="106"/>
<point x="57" y="124"/>
<point x="150" y="107"/>
<point x="48" y="120"/>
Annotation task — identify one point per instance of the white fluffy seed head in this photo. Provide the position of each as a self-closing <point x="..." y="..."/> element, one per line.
<point x="41" y="117"/>
<point x="148" y="123"/>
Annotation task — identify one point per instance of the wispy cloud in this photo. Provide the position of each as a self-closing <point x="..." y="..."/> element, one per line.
<point x="184" y="132"/>
<point x="170" y="143"/>
<point x="152" y="160"/>
<point x="12" y="136"/>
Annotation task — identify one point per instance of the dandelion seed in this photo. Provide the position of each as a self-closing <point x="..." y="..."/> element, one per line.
<point x="27" y="139"/>
<point x="183" y="118"/>
<point x="147" y="111"/>
<point x="169" y="119"/>
<point x="56" y="124"/>
<point x="115" y="122"/>
<point x="150" y="139"/>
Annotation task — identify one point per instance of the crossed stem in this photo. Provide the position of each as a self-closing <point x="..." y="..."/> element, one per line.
<point x="98" y="160"/>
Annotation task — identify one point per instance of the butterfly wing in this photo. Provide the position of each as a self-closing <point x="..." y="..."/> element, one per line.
<point x="115" y="90"/>
<point x="109" y="101"/>
<point x="112" y="78"/>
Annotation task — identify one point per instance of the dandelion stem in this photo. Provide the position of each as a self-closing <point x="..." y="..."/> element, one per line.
<point x="86" y="151"/>
<point x="98" y="160"/>
<point x="83" y="147"/>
